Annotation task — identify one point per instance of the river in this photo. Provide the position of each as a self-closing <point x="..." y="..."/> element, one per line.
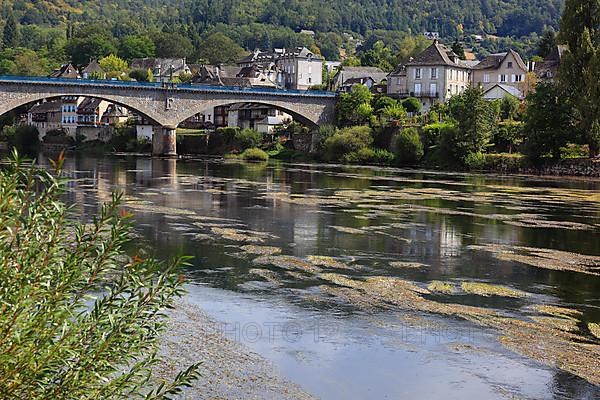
<point x="379" y="283"/>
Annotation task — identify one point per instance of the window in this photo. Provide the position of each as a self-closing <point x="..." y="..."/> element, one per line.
<point x="518" y="78"/>
<point x="417" y="73"/>
<point x="309" y="80"/>
<point x="510" y="65"/>
<point x="417" y="89"/>
<point x="434" y="73"/>
<point x="398" y="81"/>
<point x="433" y="89"/>
<point x="310" y="69"/>
<point x="502" y="78"/>
<point x="486" y="78"/>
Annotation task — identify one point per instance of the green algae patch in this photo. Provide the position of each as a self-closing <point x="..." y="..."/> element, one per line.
<point x="286" y="262"/>
<point x="328" y="262"/>
<point x="405" y="264"/>
<point x="267" y="275"/>
<point x="487" y="289"/>
<point x="594" y="329"/>
<point x="555" y="311"/>
<point x="563" y="324"/>
<point x="236" y="235"/>
<point x="345" y="229"/>
<point x="441" y="287"/>
<point x="544" y="258"/>
<point x="255" y="249"/>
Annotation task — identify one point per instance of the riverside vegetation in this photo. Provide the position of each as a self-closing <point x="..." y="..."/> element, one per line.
<point x="80" y="317"/>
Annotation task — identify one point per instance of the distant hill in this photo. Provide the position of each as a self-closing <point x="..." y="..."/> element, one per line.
<point x="499" y="17"/>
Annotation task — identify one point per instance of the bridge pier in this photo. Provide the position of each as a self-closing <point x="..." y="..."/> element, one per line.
<point x="164" y="141"/>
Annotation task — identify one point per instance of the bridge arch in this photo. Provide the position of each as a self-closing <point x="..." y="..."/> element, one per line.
<point x="211" y="104"/>
<point x="30" y="98"/>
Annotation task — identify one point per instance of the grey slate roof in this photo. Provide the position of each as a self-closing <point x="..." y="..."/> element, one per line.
<point x="436" y="54"/>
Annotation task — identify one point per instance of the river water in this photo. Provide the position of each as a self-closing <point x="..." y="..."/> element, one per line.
<point x="367" y="282"/>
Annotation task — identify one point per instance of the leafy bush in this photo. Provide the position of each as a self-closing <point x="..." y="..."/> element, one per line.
<point x="412" y="105"/>
<point x="346" y="141"/>
<point x="475" y="161"/>
<point x="247" y="138"/>
<point x="254" y="154"/>
<point x="81" y="318"/>
<point x="25" y="138"/>
<point x="369" y="155"/>
<point x="508" y="135"/>
<point x="432" y="133"/>
<point x="408" y="146"/>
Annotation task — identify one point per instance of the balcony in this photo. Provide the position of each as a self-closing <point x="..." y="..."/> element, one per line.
<point x="425" y="94"/>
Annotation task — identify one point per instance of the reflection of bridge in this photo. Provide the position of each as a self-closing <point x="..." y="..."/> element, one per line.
<point x="167" y="105"/>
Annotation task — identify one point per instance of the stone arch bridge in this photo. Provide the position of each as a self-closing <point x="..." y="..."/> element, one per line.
<point x="167" y="105"/>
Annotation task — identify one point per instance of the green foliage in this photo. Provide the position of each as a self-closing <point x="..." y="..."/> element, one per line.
<point x="220" y="49"/>
<point x="141" y="75"/>
<point x="476" y="120"/>
<point x="172" y="45"/>
<point x="247" y="138"/>
<point x="408" y="147"/>
<point x="10" y="33"/>
<point x="115" y="67"/>
<point x="378" y="56"/>
<point x="579" y="76"/>
<point x="369" y="156"/>
<point x="124" y="138"/>
<point x="346" y="141"/>
<point x="458" y="49"/>
<point x="90" y="44"/>
<point x="24" y="138"/>
<point x="354" y="107"/>
<point x="136" y="46"/>
<point x="381" y="102"/>
<point x="81" y="318"/>
<point x="509" y="107"/>
<point x="507" y="136"/>
<point x="433" y="132"/>
<point x="254" y="154"/>
<point x="475" y="161"/>
<point x="548" y="124"/>
<point x="58" y="136"/>
<point x="546" y="43"/>
<point x="411" y="105"/>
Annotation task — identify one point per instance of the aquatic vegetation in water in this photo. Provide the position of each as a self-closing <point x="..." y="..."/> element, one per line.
<point x="345" y="229"/>
<point x="544" y="258"/>
<point x="286" y="262"/>
<point x="329" y="262"/>
<point x="564" y="324"/>
<point x="255" y="249"/>
<point x="267" y="275"/>
<point x="594" y="328"/>
<point x="555" y="311"/>
<point x="237" y="235"/>
<point x="487" y="289"/>
<point x="441" y="287"/>
<point x="404" y="264"/>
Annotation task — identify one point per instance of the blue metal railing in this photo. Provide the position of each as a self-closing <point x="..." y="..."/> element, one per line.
<point x="165" y="86"/>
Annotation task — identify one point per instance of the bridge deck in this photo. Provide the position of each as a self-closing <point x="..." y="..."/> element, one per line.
<point x="164" y="86"/>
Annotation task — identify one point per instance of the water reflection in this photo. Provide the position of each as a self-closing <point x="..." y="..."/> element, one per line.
<point x="365" y="218"/>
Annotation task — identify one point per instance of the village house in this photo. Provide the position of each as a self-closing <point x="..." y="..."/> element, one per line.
<point x="252" y="115"/>
<point x="46" y="116"/>
<point x="163" y="69"/>
<point x="93" y="70"/>
<point x="300" y="68"/>
<point x="547" y="70"/>
<point x="505" y="69"/>
<point x="349" y="76"/>
<point x="66" y="71"/>
<point x="433" y="76"/>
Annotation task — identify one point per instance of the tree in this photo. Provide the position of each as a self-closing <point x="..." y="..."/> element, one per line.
<point x="458" y="49"/>
<point x="82" y="49"/>
<point x="346" y="141"/>
<point x="220" y="49"/>
<point x="136" y="46"/>
<point x="379" y="56"/>
<point x="509" y="106"/>
<point x="114" y="66"/>
<point x="579" y="76"/>
<point x="81" y="318"/>
<point x="141" y="75"/>
<point x="10" y="36"/>
<point x="408" y="146"/>
<point x="548" y="122"/>
<point x="411" y="105"/>
<point x="546" y="43"/>
<point x="348" y="105"/>
<point x="172" y="45"/>
<point x="476" y="119"/>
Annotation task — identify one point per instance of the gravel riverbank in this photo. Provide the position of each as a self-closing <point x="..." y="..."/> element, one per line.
<point x="229" y="371"/>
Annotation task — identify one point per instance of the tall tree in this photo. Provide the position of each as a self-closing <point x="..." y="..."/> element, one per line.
<point x="580" y="72"/>
<point x="220" y="49"/>
<point x="458" y="49"/>
<point x="546" y="42"/>
<point x="10" y="35"/>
